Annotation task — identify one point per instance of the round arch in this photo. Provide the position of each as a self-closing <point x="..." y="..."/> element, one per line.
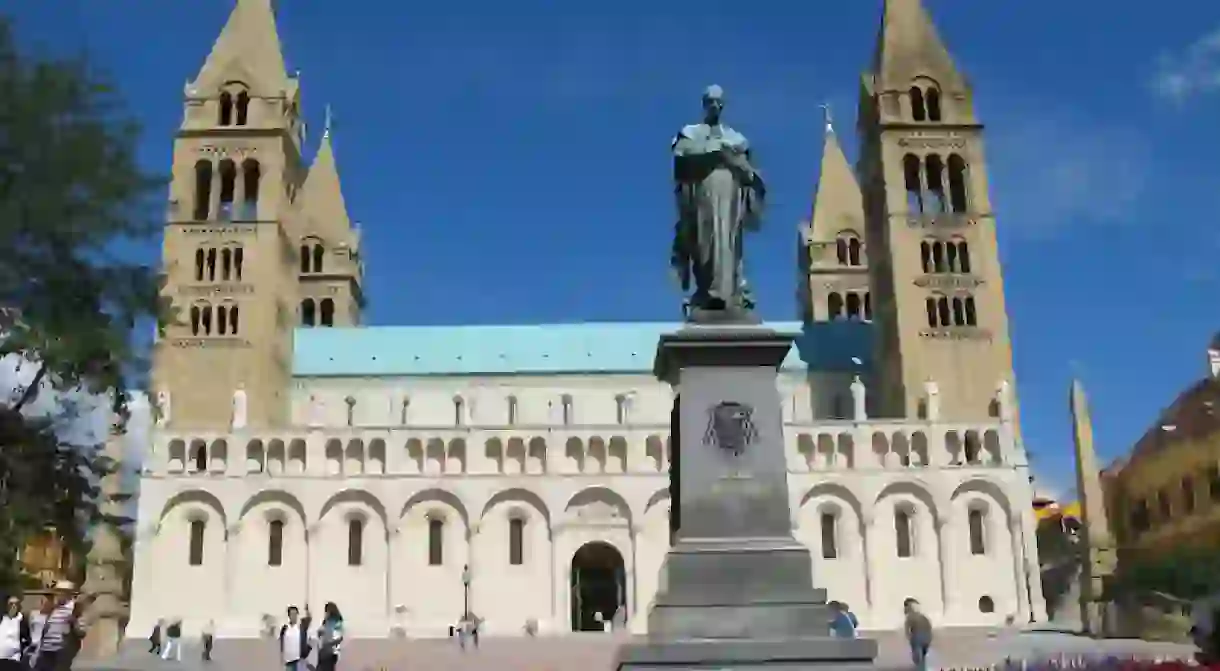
<point x="599" y="494"/>
<point x="598" y="582"/>
<point x="197" y="496"/>
<point x="273" y="496"/>
<point x="437" y="495"/>
<point x="520" y="495"/>
<point x="355" y="496"/>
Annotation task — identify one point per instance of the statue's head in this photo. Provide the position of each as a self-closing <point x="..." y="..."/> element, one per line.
<point x="713" y="104"/>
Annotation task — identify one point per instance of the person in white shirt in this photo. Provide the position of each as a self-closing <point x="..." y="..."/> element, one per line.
<point x="14" y="635"/>
<point x="294" y="640"/>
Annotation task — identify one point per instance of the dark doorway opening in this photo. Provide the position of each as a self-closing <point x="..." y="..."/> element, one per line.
<point x="599" y="587"/>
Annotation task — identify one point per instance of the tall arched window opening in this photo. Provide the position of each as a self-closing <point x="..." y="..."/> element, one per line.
<point x="251" y="176"/>
<point x="305" y="265"/>
<point x="233" y="314"/>
<point x="226" y="264"/>
<point x="931" y="99"/>
<point x="978" y="541"/>
<point x="222" y="320"/>
<point x="903" y="535"/>
<point x="854" y="309"/>
<point x="199" y="257"/>
<point x="275" y="543"/>
<point x="205" y="321"/>
<point x="913" y="183"/>
<point x="327" y="312"/>
<point x="307" y="312"/>
<point x="228" y="189"/>
<point x="934" y="168"/>
<point x="317" y="258"/>
<point x="436" y="542"/>
<point x="355" y="542"/>
<point x="854" y="256"/>
<point x="198" y="527"/>
<point x="918" y="111"/>
<point x="958" y="200"/>
<point x="830" y="544"/>
<point x="242" y="108"/>
<point x="516" y="541"/>
<point x="834" y="305"/>
<point x="195" y="320"/>
<point x="841" y="251"/>
<point x="238" y="258"/>
<point x="203" y="189"/>
<point x="226" y="109"/>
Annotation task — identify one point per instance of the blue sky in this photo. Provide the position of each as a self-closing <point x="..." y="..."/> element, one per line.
<point x="508" y="160"/>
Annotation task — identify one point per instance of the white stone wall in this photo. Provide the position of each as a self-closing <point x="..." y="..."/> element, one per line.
<point x="592" y="479"/>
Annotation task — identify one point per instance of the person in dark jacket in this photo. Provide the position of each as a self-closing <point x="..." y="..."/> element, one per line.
<point x="918" y="630"/>
<point x="15" y="641"/>
<point x="294" y="640"/>
<point x="154" y="640"/>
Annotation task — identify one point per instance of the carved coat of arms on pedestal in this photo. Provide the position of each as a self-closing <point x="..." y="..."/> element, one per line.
<point x="730" y="427"/>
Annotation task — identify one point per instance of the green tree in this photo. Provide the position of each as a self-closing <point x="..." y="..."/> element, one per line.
<point x="73" y="203"/>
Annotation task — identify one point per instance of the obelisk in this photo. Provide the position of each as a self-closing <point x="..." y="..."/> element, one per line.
<point x="105" y="563"/>
<point x="1097" y="559"/>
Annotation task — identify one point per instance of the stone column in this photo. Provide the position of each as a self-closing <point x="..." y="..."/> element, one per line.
<point x="948" y="562"/>
<point x="870" y="580"/>
<point x="214" y="195"/>
<point x="390" y="535"/>
<point x="1016" y="535"/>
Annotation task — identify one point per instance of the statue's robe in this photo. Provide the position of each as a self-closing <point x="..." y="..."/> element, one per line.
<point x="719" y="196"/>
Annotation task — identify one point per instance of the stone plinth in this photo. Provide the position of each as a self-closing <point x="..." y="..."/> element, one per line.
<point x="736" y="587"/>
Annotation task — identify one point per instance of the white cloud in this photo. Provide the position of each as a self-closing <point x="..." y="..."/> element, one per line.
<point x="1054" y="170"/>
<point x="1193" y="71"/>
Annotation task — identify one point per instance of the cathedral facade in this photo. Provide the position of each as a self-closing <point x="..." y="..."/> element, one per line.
<point x="411" y="474"/>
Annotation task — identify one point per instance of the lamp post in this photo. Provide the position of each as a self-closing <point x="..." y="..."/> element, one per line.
<point x="466" y="592"/>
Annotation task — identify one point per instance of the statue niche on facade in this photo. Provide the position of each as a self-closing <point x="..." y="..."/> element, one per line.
<point x="720" y="196"/>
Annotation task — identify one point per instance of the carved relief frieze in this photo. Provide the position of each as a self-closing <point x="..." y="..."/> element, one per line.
<point x="853" y="284"/>
<point x="944" y="220"/>
<point x="957" y="333"/>
<point x="948" y="282"/>
<point x="210" y="343"/>
<point x="233" y="151"/>
<point x="917" y="140"/>
<point x="226" y="288"/>
<point x="221" y="230"/>
<point x="595" y="513"/>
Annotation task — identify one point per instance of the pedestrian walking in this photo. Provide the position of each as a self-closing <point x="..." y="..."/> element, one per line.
<point x="330" y="637"/>
<point x="918" y="630"/>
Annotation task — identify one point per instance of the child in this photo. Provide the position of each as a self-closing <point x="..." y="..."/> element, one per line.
<point x="841" y="625"/>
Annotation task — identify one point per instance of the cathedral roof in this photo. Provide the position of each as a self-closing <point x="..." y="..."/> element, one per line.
<point x="1194" y="414"/>
<point x="622" y="347"/>
<point x="248" y="47"/>
<point x="909" y="46"/>
<point x="838" y="204"/>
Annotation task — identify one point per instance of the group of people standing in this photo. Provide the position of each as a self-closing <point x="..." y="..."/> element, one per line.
<point x="295" y="638"/>
<point x="47" y="639"/>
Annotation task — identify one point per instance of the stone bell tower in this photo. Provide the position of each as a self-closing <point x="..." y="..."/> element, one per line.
<point x="937" y="287"/>
<point x="230" y="250"/>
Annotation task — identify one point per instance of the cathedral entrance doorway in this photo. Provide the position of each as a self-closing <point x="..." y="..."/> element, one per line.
<point x="599" y="586"/>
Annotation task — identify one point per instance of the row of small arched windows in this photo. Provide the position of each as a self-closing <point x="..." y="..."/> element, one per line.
<point x="230" y="204"/>
<point x="229" y="260"/>
<point x="904" y="533"/>
<point x="945" y="256"/>
<point x="933" y="185"/>
<point x="234" y="109"/>
<point x="958" y="311"/>
<point x="355" y="542"/>
<point x="226" y="319"/>
<point x="855" y="306"/>
<point x="925" y="103"/>
<point x="848" y="250"/>
<point x="311" y="257"/>
<point x="319" y="313"/>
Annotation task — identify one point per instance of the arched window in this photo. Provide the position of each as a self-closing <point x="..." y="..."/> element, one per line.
<point x="902" y="533"/>
<point x="228" y="189"/>
<point x="238" y="258"/>
<point x="972" y="447"/>
<point x="934" y="168"/>
<point x="958" y="200"/>
<point x="512" y="410"/>
<point x="226" y="263"/>
<point x="196" y="543"/>
<point x="251" y="175"/>
<point x="275" y="543"/>
<point x="830" y="545"/>
<point x="195" y="319"/>
<point x="913" y="182"/>
<point x="516" y="541"/>
<point x="211" y="265"/>
<point x="938" y="256"/>
<point x="918" y="111"/>
<point x="854" y="308"/>
<point x="963" y="257"/>
<point x="986" y="604"/>
<point x="971" y="316"/>
<point x="201" y="458"/>
<point x="305" y="265"/>
<point x="834" y="305"/>
<point x="959" y="312"/>
<point x="566" y="402"/>
<point x="205" y="319"/>
<point x="925" y="256"/>
<point x="853" y="252"/>
<point x="436" y="542"/>
<point x="203" y="189"/>
<point x="226" y="109"/>
<point x="942" y="308"/>
<point x="327" y="312"/>
<point x="233" y="320"/>
<point x="222" y="320"/>
<point x="868" y="306"/>
<point x="199" y="256"/>
<point x="317" y="258"/>
<point x="931" y="99"/>
<point x="930" y="304"/>
<point x="242" y="108"/>
<point x="307" y="312"/>
<point x="978" y="542"/>
<point x="841" y="251"/>
<point x="355" y="542"/>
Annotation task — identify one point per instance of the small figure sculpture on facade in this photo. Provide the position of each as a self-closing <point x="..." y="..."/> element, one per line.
<point x="239" y="407"/>
<point x="163" y="410"/>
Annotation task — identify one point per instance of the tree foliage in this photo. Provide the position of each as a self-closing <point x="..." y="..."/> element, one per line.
<point x="74" y="203"/>
<point x="1187" y="573"/>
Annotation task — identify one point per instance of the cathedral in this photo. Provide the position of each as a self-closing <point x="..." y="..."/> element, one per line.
<point x="412" y="474"/>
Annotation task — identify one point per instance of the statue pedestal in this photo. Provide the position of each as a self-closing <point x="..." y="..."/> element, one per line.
<point x="737" y="588"/>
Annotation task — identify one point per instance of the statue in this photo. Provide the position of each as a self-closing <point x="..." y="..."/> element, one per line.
<point x="239" y="407"/>
<point x="720" y="196"/>
<point x="163" y="408"/>
<point x="316" y="411"/>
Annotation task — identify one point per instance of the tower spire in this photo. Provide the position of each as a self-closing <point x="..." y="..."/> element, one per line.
<point x="249" y="43"/>
<point x="827" y="118"/>
<point x="909" y="45"/>
<point x="1098" y="556"/>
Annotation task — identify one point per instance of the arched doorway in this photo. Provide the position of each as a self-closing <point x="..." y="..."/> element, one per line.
<point x="599" y="586"/>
